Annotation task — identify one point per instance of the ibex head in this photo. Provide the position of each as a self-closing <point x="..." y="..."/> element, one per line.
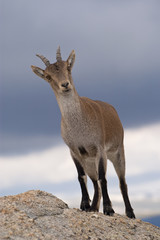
<point x="57" y="74"/>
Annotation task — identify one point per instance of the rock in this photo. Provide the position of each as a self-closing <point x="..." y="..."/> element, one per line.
<point x="40" y="215"/>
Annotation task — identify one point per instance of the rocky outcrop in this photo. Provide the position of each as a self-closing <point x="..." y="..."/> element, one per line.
<point x="40" y="215"/>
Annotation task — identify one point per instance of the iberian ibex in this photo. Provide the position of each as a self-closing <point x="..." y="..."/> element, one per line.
<point x="93" y="132"/>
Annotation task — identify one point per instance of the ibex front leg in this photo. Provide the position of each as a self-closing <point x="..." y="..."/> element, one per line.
<point x="107" y="206"/>
<point x="85" y="203"/>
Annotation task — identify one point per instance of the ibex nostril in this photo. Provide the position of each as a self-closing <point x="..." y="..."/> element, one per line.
<point x="65" y="85"/>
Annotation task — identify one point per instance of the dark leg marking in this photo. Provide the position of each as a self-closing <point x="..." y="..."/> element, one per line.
<point x="107" y="206"/>
<point x="95" y="203"/>
<point x="82" y="151"/>
<point x="85" y="203"/>
<point x="120" y="170"/>
<point x="129" y="210"/>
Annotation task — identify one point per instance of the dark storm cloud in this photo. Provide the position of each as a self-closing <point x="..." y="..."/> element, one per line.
<point x="117" y="48"/>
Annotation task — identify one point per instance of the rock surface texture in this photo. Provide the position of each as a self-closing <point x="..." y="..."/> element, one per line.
<point x="40" y="215"/>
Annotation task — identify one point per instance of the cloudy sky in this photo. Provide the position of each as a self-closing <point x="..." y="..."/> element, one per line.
<point x="117" y="45"/>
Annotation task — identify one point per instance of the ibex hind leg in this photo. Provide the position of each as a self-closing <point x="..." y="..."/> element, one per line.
<point x="97" y="196"/>
<point x="118" y="160"/>
<point x="107" y="206"/>
<point x="91" y="168"/>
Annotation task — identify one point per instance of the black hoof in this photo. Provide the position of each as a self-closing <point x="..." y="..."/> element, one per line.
<point x="108" y="210"/>
<point x="130" y="214"/>
<point x="85" y="206"/>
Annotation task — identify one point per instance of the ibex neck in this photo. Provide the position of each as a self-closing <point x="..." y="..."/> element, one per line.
<point x="69" y="105"/>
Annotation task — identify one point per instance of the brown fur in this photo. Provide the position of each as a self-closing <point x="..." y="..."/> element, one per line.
<point x="93" y="132"/>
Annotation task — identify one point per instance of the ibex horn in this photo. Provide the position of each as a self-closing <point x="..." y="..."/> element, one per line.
<point x="45" y="60"/>
<point x="58" y="55"/>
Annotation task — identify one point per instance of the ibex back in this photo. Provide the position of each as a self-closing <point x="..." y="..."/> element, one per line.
<point x="93" y="132"/>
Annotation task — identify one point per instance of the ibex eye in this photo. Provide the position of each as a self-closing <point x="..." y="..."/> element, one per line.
<point x="48" y="77"/>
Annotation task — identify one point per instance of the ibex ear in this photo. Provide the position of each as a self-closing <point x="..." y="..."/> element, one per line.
<point x="38" y="71"/>
<point x="71" y="59"/>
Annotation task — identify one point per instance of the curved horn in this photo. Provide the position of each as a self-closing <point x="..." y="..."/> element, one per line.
<point x="45" y="60"/>
<point x="58" y="55"/>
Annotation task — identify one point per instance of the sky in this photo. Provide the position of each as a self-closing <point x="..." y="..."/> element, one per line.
<point x="117" y="45"/>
